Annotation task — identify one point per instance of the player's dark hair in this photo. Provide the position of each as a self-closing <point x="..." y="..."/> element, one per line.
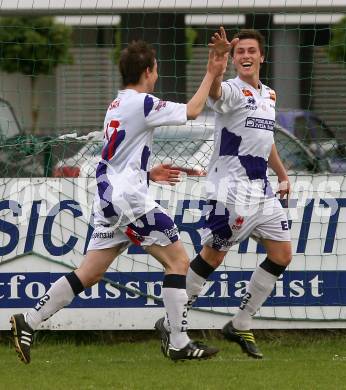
<point x="250" y="34"/>
<point x="134" y="60"/>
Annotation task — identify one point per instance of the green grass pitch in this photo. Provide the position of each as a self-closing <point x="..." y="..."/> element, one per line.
<point x="293" y="360"/>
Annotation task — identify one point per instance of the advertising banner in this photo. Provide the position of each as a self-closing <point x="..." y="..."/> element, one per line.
<point x="45" y="225"/>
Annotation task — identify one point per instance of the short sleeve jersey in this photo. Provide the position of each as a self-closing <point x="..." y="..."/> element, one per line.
<point x="244" y="125"/>
<point x="122" y="175"/>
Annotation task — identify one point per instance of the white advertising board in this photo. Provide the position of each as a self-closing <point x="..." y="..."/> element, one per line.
<point x="44" y="230"/>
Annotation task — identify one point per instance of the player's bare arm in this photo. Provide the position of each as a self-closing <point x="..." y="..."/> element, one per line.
<point x="216" y="67"/>
<point x="221" y="45"/>
<point x="277" y="166"/>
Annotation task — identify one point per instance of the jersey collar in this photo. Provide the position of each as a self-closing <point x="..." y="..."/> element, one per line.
<point x="244" y="83"/>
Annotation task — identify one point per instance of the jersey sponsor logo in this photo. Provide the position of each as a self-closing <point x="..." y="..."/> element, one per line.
<point x="160" y="104"/>
<point x="115" y="104"/>
<point x="246" y="92"/>
<point x="220" y="242"/>
<point x="251" y="103"/>
<point x="103" y="235"/>
<point x="238" y="223"/>
<point x="171" y="232"/>
<point x="259" y="123"/>
<point x="272" y="95"/>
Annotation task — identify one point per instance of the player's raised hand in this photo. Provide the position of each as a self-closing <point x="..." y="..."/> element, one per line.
<point x="220" y="44"/>
<point x="217" y="63"/>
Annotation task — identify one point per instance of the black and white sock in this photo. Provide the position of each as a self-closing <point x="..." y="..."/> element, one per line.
<point x="259" y="288"/>
<point x="175" y="301"/>
<point x="197" y="274"/>
<point x="58" y="296"/>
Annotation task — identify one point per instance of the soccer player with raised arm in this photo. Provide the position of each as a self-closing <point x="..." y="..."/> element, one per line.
<point x="124" y="212"/>
<point x="241" y="202"/>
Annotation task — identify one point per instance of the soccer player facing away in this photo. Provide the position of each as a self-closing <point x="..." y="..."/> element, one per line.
<point x="241" y="202"/>
<point x="124" y="212"/>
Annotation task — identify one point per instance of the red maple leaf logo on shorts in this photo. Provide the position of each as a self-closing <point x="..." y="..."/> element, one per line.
<point x="238" y="222"/>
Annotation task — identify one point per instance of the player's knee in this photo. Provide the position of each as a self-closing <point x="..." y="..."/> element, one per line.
<point x="215" y="261"/>
<point x="89" y="280"/>
<point x="212" y="256"/>
<point x="95" y="279"/>
<point x="284" y="257"/>
<point x="287" y="258"/>
<point x="184" y="264"/>
<point x="280" y="253"/>
<point x="177" y="265"/>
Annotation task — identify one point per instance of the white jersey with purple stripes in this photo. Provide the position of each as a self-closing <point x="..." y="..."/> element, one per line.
<point x="244" y="125"/>
<point x="122" y="175"/>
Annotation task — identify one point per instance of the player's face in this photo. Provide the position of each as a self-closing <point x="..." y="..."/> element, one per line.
<point x="247" y="59"/>
<point x="153" y="77"/>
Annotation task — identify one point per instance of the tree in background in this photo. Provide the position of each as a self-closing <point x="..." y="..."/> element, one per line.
<point x="33" y="46"/>
<point x="337" y="45"/>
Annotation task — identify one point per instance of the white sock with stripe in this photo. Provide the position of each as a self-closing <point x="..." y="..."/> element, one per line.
<point x="260" y="286"/>
<point x="175" y="301"/>
<point x="58" y="296"/>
